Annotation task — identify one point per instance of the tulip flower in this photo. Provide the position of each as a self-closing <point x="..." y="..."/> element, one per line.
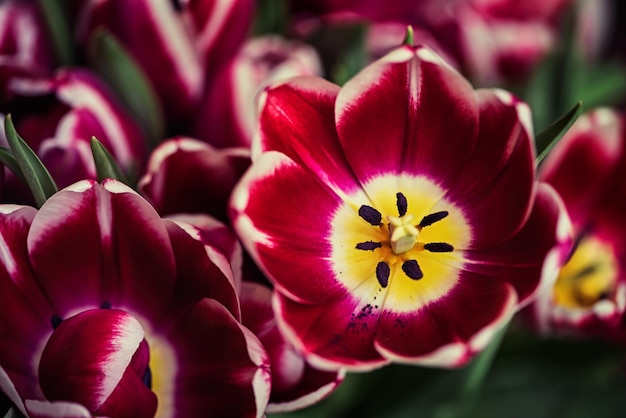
<point x="108" y="310"/>
<point x="295" y="383"/>
<point x="186" y="175"/>
<point x="57" y="118"/>
<point x="178" y="44"/>
<point x="398" y="217"/>
<point x="25" y="48"/>
<point x="587" y="169"/>
<point x="228" y="116"/>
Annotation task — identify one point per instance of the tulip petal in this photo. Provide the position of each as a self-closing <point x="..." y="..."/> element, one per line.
<point x="450" y="331"/>
<point x="583" y="162"/>
<point x="496" y="197"/>
<point x="172" y="63"/>
<point x="395" y="116"/>
<point x="295" y="383"/>
<point x="81" y="240"/>
<point x="43" y="409"/>
<point x="202" y="271"/>
<point x="337" y="334"/>
<point x="536" y="252"/>
<point x="188" y="176"/>
<point x="304" y="107"/>
<point x="23" y="306"/>
<point x="213" y="348"/>
<point x="287" y="233"/>
<point x="88" y="360"/>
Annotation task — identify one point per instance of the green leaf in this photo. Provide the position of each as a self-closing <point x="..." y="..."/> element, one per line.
<point x="7" y="158"/>
<point x="409" y="38"/>
<point x="37" y="177"/>
<point x="130" y="83"/>
<point x="547" y="139"/>
<point x="56" y="20"/>
<point x="106" y="166"/>
<point x="272" y="16"/>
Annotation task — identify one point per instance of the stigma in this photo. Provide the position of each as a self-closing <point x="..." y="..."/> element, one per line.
<point x="402" y="233"/>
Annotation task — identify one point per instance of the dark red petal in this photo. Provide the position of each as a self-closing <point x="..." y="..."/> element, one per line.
<point x="221" y="367"/>
<point x="534" y="255"/>
<point x="105" y="243"/>
<point x="408" y="112"/>
<point x="87" y="360"/>
<point x="496" y="186"/>
<point x="202" y="271"/>
<point x="188" y="176"/>
<point x="171" y="62"/>
<point x="448" y="332"/>
<point x="334" y="335"/>
<point x="295" y="383"/>
<point x="580" y="167"/>
<point x="283" y="216"/>
<point x="297" y="118"/>
<point x="25" y="312"/>
<point x="44" y="409"/>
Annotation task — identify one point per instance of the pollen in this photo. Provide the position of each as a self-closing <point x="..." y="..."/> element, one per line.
<point x="589" y="276"/>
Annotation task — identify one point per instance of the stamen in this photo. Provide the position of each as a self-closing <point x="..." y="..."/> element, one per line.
<point x="147" y="378"/>
<point x="438" y="247"/>
<point x="401" y="203"/>
<point x="55" y="321"/>
<point x="412" y="269"/>
<point x="105" y="305"/>
<point x="382" y="273"/>
<point x="368" y="245"/>
<point x="432" y="218"/>
<point x="371" y="215"/>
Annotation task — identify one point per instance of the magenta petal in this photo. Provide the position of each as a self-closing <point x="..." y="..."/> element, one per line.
<point x="186" y="175"/>
<point x="105" y="243"/>
<point x="222" y="369"/>
<point x="581" y="167"/>
<point x="448" y="332"/>
<point x="215" y="233"/>
<point x="287" y="232"/>
<point x="305" y="108"/>
<point x="22" y="304"/>
<point x="334" y="335"/>
<point x="88" y="360"/>
<point x="221" y="27"/>
<point x="171" y="62"/>
<point x="407" y="112"/>
<point x="536" y="252"/>
<point x="43" y="409"/>
<point x="121" y="135"/>
<point x="202" y="270"/>
<point x="496" y="187"/>
<point x="295" y="383"/>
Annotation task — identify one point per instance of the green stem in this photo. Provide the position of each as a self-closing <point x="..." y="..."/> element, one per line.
<point x="476" y="374"/>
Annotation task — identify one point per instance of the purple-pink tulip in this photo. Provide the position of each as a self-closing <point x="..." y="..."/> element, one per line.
<point x="228" y="116"/>
<point x="587" y="168"/>
<point x="58" y="116"/>
<point x="108" y="310"/>
<point x="178" y="44"/>
<point x="398" y="217"/>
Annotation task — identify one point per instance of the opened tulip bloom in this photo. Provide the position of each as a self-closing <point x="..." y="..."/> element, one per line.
<point x="108" y="310"/>
<point x="587" y="169"/>
<point x="398" y="217"/>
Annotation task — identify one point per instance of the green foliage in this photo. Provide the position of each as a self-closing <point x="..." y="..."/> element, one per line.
<point x="41" y="184"/>
<point x="55" y="15"/>
<point x="129" y="82"/>
<point x="106" y="166"/>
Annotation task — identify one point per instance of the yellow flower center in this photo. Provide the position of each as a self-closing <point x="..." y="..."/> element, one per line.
<point x="403" y="252"/>
<point x="589" y="276"/>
